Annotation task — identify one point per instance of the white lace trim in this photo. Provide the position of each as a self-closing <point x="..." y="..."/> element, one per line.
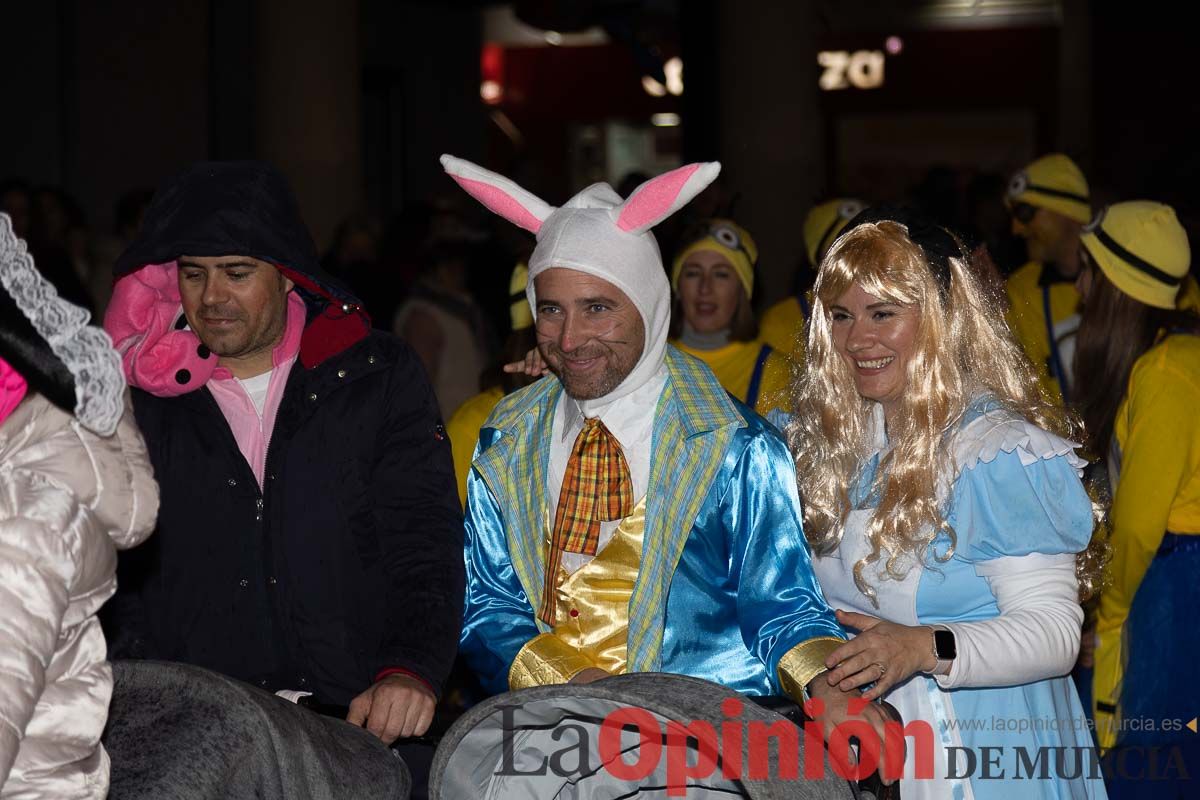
<point x="86" y="350"/>
<point x="1001" y="431"/>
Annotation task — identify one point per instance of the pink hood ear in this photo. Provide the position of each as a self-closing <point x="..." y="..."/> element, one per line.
<point x="660" y="197"/>
<point x="158" y="357"/>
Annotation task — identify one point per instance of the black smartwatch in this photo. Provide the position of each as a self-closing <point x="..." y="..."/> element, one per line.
<point x="944" y="649"/>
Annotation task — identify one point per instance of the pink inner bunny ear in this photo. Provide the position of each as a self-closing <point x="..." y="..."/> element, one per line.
<point x="658" y="198"/>
<point x="498" y="194"/>
<point x="501" y="203"/>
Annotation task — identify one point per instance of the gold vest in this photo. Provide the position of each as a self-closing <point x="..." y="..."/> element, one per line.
<point x="592" y="612"/>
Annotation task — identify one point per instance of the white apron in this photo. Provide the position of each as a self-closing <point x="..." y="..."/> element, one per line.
<point x="919" y="697"/>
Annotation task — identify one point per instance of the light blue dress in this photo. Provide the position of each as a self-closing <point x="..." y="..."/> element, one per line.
<point x="1012" y="492"/>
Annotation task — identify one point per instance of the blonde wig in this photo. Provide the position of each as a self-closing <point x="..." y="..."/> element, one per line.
<point x="963" y="349"/>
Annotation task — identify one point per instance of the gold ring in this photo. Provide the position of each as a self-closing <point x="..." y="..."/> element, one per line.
<point x="882" y="668"/>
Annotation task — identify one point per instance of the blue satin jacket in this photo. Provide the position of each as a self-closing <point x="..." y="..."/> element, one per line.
<point x="726" y="586"/>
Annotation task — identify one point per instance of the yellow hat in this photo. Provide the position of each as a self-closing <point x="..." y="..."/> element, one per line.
<point x="1055" y="183"/>
<point x="825" y="222"/>
<point x="1142" y="249"/>
<point x="519" y="313"/>
<point x="730" y="240"/>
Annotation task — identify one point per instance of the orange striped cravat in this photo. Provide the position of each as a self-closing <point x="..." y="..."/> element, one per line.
<point x="596" y="488"/>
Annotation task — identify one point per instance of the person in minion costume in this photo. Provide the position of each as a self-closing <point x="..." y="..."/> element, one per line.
<point x="464" y="424"/>
<point x="1050" y="203"/>
<point x="1137" y="366"/>
<point x="782" y="325"/>
<point x="713" y="280"/>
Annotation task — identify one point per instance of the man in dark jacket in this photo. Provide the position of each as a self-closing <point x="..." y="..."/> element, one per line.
<point x="309" y="536"/>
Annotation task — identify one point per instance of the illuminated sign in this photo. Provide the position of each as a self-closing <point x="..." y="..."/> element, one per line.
<point x="862" y="69"/>
<point x="673" y="70"/>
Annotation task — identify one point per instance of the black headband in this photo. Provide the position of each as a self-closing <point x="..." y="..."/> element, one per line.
<point x="938" y="244"/>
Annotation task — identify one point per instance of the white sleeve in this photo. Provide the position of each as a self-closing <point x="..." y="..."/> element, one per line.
<point x="33" y="599"/>
<point x="1037" y="633"/>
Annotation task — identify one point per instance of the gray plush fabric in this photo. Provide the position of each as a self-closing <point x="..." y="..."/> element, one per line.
<point x="184" y="733"/>
<point x="473" y="759"/>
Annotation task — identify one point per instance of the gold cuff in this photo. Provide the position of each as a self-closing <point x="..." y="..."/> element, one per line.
<point x="544" y="660"/>
<point x="804" y="662"/>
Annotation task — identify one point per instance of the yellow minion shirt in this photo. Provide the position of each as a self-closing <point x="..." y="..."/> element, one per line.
<point x="1029" y="289"/>
<point x="463" y="429"/>
<point x="1157" y="430"/>
<point x="735" y="366"/>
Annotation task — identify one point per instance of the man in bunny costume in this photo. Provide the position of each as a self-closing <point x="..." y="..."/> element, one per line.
<point x="626" y="514"/>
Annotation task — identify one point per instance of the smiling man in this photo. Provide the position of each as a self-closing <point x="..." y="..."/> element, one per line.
<point x="309" y="536"/>
<point x="626" y="514"/>
<point x="588" y="331"/>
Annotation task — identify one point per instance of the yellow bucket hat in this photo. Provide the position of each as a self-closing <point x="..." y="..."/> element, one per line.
<point x="825" y="222"/>
<point x="731" y="241"/>
<point x="519" y="313"/>
<point x="1053" y="182"/>
<point x="1142" y="249"/>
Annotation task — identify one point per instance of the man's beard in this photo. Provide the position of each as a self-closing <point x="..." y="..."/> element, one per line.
<point x="246" y="337"/>
<point x="593" y="385"/>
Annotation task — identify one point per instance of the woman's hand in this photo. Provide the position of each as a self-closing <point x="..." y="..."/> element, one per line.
<point x="533" y="365"/>
<point x="885" y="653"/>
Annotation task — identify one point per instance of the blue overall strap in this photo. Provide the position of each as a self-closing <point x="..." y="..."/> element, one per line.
<point x="1056" y="365"/>
<point x="756" y="376"/>
<point x="805" y="311"/>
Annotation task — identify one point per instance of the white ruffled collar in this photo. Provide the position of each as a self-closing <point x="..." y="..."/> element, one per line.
<point x="85" y="350"/>
<point x="990" y="432"/>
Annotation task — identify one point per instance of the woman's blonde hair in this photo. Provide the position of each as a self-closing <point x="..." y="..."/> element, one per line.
<point x="963" y="349"/>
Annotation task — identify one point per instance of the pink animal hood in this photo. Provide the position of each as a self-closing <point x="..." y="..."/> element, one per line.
<point x="160" y="354"/>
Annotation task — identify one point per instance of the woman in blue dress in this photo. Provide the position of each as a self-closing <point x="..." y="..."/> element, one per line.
<point x="944" y="505"/>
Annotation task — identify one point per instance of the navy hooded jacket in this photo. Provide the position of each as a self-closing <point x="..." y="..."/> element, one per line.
<point x="348" y="561"/>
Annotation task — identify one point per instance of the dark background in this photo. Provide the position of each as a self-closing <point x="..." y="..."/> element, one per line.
<point x="355" y="101"/>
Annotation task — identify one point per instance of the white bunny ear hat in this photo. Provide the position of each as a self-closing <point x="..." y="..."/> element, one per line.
<point x="599" y="233"/>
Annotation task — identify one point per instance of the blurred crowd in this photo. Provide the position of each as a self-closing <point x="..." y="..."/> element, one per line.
<point x="438" y="272"/>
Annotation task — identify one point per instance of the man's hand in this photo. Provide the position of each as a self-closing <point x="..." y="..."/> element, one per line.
<point x="836" y="706"/>
<point x="589" y="675"/>
<point x="396" y="707"/>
